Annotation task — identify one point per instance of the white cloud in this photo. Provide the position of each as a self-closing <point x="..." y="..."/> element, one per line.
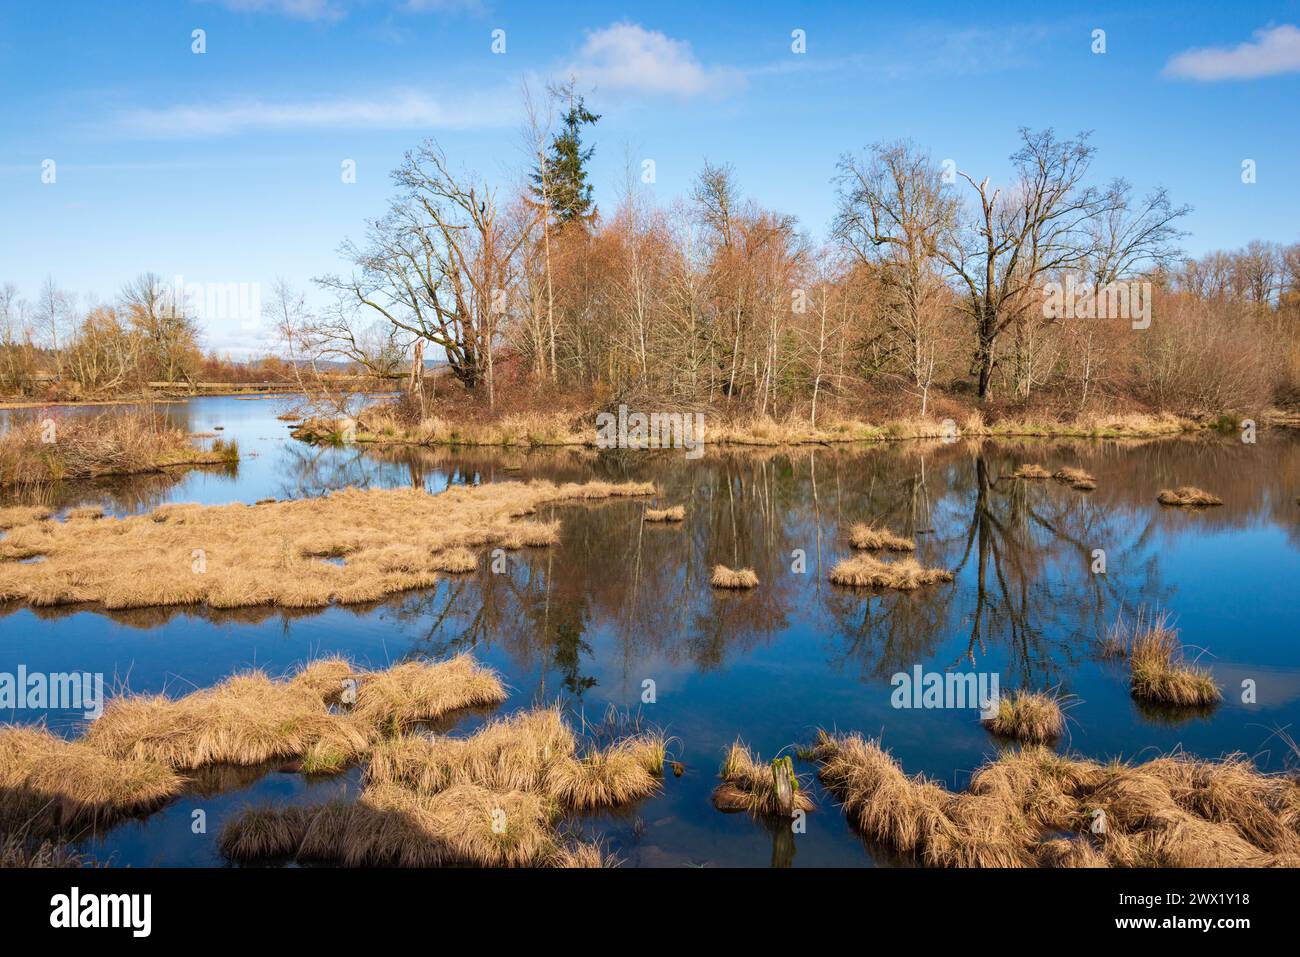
<point x="401" y="110"/>
<point x="297" y="9"/>
<point x="629" y="58"/>
<point x="1273" y="51"/>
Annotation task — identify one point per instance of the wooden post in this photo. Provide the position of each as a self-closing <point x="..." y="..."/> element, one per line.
<point x="784" y="783"/>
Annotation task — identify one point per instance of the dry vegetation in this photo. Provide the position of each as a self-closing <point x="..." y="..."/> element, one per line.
<point x="871" y="538"/>
<point x="765" y="789"/>
<point x="1172" y="811"/>
<point x="1160" y="675"/>
<point x="724" y="577"/>
<point x="1031" y="471"/>
<point x="37" y="451"/>
<point x="675" y="513"/>
<point x="1076" y="478"/>
<point x="491" y="799"/>
<point x="234" y="556"/>
<point x="1031" y="716"/>
<point x="907" y="574"/>
<point x="1187" y="496"/>
<point x="146" y="749"/>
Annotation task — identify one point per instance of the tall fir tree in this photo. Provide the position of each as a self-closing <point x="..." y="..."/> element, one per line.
<point x="561" y="182"/>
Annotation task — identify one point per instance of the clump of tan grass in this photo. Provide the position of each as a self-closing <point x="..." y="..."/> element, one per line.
<point x="1188" y="496"/>
<point x="13" y="516"/>
<point x="492" y="799"/>
<point x="1173" y="811"/>
<point x="112" y="443"/>
<point x="390" y="540"/>
<point x="748" y="784"/>
<point x="1031" y="716"/>
<point x="724" y="577"/>
<point x="1031" y="470"/>
<point x="251" y="719"/>
<point x="674" y="513"/>
<point x="48" y="782"/>
<point x="873" y="538"/>
<point x="1075" y="478"/>
<point x="864" y="571"/>
<point x="1159" y="672"/>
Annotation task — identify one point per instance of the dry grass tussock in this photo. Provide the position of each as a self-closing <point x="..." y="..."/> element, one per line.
<point x="48" y="782"/>
<point x="1031" y="471"/>
<point x="768" y="789"/>
<point x="864" y="571"/>
<point x="147" y="749"/>
<point x="491" y="799"/>
<point x="1160" y="674"/>
<point x="1031" y="716"/>
<point x="724" y="577"/>
<point x="233" y="556"/>
<point x="1188" y="496"/>
<point x="674" y="513"/>
<point x="251" y="718"/>
<point x="1173" y="811"/>
<point x="873" y="538"/>
<point x="114" y="443"/>
<point x="1075" y="478"/>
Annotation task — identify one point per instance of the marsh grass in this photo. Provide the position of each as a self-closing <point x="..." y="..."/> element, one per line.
<point x="864" y="571"/>
<point x="874" y="538"/>
<point x="674" y="513"/>
<point x="1035" y="717"/>
<point x="250" y="718"/>
<point x="1188" y="496"/>
<point x="735" y="578"/>
<point x="494" y="798"/>
<point x="750" y="784"/>
<point x="390" y="540"/>
<point x="113" y="443"/>
<point x="1075" y="478"/>
<point x="1172" y="811"/>
<point x="48" y="782"/>
<point x="1160" y="675"/>
<point x="1031" y="471"/>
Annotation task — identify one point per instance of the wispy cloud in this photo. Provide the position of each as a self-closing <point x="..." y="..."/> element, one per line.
<point x="626" y="57"/>
<point x="315" y="10"/>
<point x="1273" y="51"/>
<point x="397" y="110"/>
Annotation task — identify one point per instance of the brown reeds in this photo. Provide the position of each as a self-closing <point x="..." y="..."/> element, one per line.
<point x="1075" y="478"/>
<point x="1159" y="672"/>
<point x="674" y="513"/>
<point x="748" y="784"/>
<point x="250" y="718"/>
<point x="873" y="538"/>
<point x="724" y="577"/>
<point x="40" y="451"/>
<point x="233" y="556"/>
<point x="47" y="782"/>
<point x="1031" y="470"/>
<point x="864" y="571"/>
<point x="1188" y="496"/>
<point x="1173" y="811"/>
<point x="1031" y="716"/>
<point x="491" y="799"/>
<point x="146" y="749"/>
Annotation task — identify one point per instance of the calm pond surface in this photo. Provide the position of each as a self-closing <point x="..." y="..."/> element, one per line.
<point x="618" y="602"/>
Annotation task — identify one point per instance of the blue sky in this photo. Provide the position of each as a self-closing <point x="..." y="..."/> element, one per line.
<point x="225" y="166"/>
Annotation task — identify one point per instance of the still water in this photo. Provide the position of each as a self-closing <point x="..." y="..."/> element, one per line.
<point x="619" y="602"/>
